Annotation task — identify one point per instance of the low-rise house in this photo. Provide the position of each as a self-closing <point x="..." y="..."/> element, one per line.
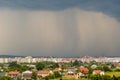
<point x="84" y="70"/>
<point x="94" y="66"/>
<point x="44" y="73"/>
<point x="14" y="74"/>
<point x="27" y="74"/>
<point x="57" y="69"/>
<point x="2" y="74"/>
<point x="81" y="66"/>
<point x="100" y="72"/>
<point x="118" y="66"/>
<point x="70" y="73"/>
<point x="81" y="75"/>
<point x="75" y="75"/>
<point x="71" y="69"/>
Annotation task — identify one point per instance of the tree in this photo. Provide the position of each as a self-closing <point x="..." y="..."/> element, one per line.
<point x="46" y="78"/>
<point x="57" y="74"/>
<point x="5" y="78"/>
<point x="106" y="68"/>
<point x="14" y="64"/>
<point x="40" y="66"/>
<point x="51" y="76"/>
<point x="63" y="66"/>
<point x="116" y="69"/>
<point x="25" y="67"/>
<point x="60" y="78"/>
<point x="70" y="64"/>
<point x="34" y="76"/>
<point x="78" y="70"/>
<point x="76" y="63"/>
<point x="55" y="65"/>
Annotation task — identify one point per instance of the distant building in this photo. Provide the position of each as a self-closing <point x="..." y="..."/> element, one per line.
<point x="84" y="70"/>
<point x="118" y="66"/>
<point x="93" y="66"/>
<point x="3" y="60"/>
<point x="44" y="73"/>
<point x="81" y="75"/>
<point x="98" y="72"/>
<point x="29" y="59"/>
<point x="27" y="74"/>
<point x="2" y="74"/>
<point x="14" y="74"/>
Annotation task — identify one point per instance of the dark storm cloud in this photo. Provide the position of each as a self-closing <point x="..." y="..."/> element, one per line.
<point x="39" y="4"/>
<point x="110" y="7"/>
<point x="60" y="27"/>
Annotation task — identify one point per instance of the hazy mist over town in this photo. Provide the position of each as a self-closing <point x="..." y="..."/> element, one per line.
<point x="63" y="28"/>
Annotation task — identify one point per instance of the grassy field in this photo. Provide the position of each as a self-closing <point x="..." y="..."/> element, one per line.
<point x="113" y="73"/>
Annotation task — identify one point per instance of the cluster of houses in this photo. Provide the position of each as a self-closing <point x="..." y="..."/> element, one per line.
<point x="70" y="72"/>
<point x="82" y="74"/>
<point x="26" y="74"/>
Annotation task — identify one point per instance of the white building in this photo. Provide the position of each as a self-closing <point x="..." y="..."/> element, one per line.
<point x="3" y="60"/>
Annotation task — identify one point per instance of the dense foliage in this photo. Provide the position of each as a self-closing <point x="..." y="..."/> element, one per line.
<point x="40" y="66"/>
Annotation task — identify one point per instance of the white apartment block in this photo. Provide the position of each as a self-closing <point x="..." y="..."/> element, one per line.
<point x="4" y="60"/>
<point x="30" y="59"/>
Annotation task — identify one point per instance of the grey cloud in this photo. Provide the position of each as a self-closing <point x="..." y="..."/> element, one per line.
<point x="110" y="7"/>
<point x="70" y="32"/>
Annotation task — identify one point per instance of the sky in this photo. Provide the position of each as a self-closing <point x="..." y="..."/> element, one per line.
<point x="62" y="28"/>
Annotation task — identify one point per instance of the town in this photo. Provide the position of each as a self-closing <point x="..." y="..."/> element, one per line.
<point x="53" y="68"/>
<point x="59" y="39"/>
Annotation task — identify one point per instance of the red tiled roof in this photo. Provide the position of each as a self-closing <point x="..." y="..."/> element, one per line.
<point x="27" y="75"/>
<point x="13" y="73"/>
<point x="44" y="72"/>
<point x="97" y="71"/>
<point x="85" y="70"/>
<point x="58" y="69"/>
<point x="118" y="65"/>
